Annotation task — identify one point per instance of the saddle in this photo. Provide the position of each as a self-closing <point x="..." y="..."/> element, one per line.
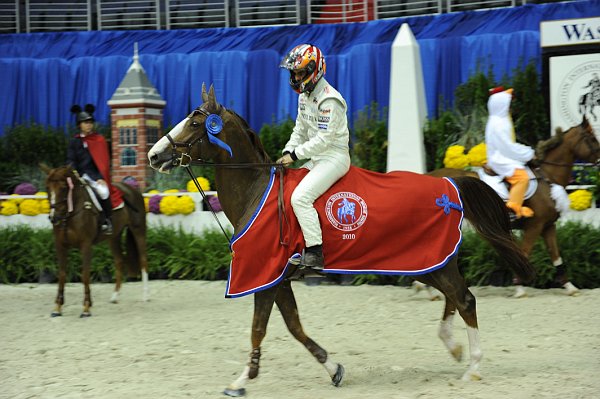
<point x="501" y="186"/>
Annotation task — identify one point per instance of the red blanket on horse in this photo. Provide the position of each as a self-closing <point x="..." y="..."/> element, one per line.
<point x="99" y="151"/>
<point x="393" y="223"/>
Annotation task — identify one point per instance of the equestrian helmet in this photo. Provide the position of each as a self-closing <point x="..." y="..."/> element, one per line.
<point x="308" y="58"/>
<point x="85" y="114"/>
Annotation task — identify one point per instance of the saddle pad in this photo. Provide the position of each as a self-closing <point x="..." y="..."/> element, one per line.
<point x="498" y="184"/>
<point x="373" y="223"/>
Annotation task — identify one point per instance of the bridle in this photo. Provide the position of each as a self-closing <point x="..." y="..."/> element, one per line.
<point x="587" y="139"/>
<point x="185" y="160"/>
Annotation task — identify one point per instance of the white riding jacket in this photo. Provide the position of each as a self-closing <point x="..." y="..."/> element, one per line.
<point x="321" y="130"/>
<point x="504" y="154"/>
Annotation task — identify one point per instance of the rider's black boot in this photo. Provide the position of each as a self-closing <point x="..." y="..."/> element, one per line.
<point x="106" y="226"/>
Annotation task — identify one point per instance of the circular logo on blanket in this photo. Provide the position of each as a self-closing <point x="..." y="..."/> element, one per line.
<point x="346" y="211"/>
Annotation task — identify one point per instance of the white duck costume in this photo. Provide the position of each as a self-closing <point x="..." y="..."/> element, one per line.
<point x="505" y="156"/>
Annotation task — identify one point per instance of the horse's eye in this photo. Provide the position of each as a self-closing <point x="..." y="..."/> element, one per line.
<point x="195" y="124"/>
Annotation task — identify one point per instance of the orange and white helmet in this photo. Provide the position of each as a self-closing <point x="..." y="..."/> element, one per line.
<point x="308" y="58"/>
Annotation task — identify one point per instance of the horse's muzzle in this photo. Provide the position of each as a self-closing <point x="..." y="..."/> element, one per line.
<point x="162" y="162"/>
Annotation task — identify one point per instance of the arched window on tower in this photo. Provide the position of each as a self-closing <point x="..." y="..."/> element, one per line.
<point x="128" y="157"/>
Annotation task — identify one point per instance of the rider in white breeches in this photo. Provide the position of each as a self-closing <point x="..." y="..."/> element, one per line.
<point x="321" y="135"/>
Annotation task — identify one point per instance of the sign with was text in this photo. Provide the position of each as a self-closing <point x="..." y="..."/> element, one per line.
<point x="566" y="32"/>
<point x="572" y="53"/>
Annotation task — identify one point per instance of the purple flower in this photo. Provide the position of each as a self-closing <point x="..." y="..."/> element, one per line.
<point x="213" y="200"/>
<point x="154" y="204"/>
<point x="132" y="181"/>
<point x="25" y="189"/>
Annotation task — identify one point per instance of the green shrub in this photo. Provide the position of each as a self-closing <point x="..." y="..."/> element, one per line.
<point x="175" y="254"/>
<point x="370" y="134"/>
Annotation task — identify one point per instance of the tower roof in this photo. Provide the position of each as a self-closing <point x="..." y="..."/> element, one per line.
<point x="136" y="87"/>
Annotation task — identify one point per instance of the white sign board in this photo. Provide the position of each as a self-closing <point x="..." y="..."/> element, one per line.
<point x="575" y="90"/>
<point x="570" y="31"/>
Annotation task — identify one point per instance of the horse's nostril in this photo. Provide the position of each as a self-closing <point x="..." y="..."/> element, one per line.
<point x="153" y="158"/>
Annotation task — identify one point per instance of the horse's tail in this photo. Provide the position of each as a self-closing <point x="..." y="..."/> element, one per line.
<point x="133" y="255"/>
<point x="486" y="212"/>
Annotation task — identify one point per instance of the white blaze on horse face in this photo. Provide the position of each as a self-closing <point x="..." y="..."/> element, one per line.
<point x="164" y="144"/>
<point x="52" y="202"/>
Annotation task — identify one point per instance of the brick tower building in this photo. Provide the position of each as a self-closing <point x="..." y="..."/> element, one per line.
<point x="137" y="121"/>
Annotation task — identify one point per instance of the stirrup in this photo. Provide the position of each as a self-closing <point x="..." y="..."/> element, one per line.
<point x="107" y="228"/>
<point x="312" y="260"/>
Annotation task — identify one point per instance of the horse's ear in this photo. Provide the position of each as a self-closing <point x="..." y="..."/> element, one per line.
<point x="204" y="94"/>
<point x="585" y="123"/>
<point x="45" y="168"/>
<point x="212" y="100"/>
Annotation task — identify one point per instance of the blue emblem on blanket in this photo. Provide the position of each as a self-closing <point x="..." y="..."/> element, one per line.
<point x="445" y="203"/>
<point x="214" y="126"/>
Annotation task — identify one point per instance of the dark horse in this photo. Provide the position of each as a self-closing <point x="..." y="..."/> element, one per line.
<point x="76" y="225"/>
<point x="240" y="191"/>
<point x="555" y="157"/>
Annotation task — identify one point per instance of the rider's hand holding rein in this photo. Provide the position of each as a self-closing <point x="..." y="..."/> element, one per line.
<point x="286" y="160"/>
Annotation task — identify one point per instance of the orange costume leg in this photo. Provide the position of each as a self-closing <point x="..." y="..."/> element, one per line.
<point x="518" y="186"/>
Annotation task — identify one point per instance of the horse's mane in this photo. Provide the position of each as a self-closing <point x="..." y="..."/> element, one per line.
<point x="545" y="146"/>
<point x="253" y="136"/>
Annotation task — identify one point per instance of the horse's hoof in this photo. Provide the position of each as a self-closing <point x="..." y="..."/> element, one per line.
<point x="336" y="380"/>
<point x="571" y="289"/>
<point x="85" y="315"/>
<point x="520" y="293"/>
<point x="457" y="353"/>
<point x="235" y="393"/>
<point x="471" y="376"/>
<point x="55" y="314"/>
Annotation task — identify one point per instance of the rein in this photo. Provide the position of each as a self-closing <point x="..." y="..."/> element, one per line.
<point x="283" y="220"/>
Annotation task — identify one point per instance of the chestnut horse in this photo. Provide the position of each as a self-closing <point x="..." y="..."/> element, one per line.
<point x="555" y="157"/>
<point x="75" y="222"/>
<point x="242" y="178"/>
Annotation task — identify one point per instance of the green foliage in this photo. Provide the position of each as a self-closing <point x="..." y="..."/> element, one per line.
<point x="369" y="150"/>
<point x="178" y="178"/>
<point x="438" y="134"/>
<point x="275" y="136"/>
<point x="175" y="254"/>
<point x="474" y="92"/>
<point x="528" y="108"/>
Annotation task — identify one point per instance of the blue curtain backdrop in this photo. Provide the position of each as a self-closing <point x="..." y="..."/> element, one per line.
<point x="43" y="74"/>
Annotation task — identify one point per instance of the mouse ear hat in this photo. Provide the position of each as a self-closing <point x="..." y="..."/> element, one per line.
<point x="83" y="115"/>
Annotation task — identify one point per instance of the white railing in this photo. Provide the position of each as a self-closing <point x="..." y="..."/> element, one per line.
<point x="462" y="5"/>
<point x="130" y="14"/>
<point x="10" y="17"/>
<point x="191" y="14"/>
<point x="267" y="12"/>
<point x="56" y="15"/>
<point x="18" y="16"/>
<point x="394" y="9"/>
<point x="337" y="11"/>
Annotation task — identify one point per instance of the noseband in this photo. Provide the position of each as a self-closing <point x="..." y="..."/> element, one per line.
<point x="183" y="158"/>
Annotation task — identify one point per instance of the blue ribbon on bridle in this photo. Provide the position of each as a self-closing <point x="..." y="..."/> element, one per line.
<point x="445" y="203"/>
<point x="214" y="126"/>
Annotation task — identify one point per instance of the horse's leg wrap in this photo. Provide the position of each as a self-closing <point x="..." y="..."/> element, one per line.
<point x="253" y="364"/>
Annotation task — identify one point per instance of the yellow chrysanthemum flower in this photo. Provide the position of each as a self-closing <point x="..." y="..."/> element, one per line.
<point x="9" y="207"/>
<point x="186" y="204"/>
<point x="478" y="155"/>
<point x="29" y="207"/>
<point x="580" y="199"/>
<point x="147" y="204"/>
<point x="153" y="192"/>
<point x="455" y="157"/>
<point x="204" y="184"/>
<point x="168" y="205"/>
<point x="18" y="198"/>
<point x="43" y="204"/>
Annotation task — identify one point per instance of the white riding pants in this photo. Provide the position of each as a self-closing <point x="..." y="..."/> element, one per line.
<point x="100" y="188"/>
<point x="323" y="173"/>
